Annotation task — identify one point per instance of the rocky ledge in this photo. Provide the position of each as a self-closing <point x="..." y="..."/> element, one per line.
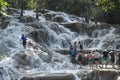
<point x="96" y="74"/>
<point x="49" y="76"/>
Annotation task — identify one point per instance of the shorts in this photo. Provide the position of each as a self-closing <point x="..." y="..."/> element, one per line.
<point x="104" y="60"/>
<point x="91" y="60"/>
<point x="96" y="59"/>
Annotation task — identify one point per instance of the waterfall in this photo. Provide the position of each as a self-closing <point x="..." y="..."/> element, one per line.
<point x="51" y="35"/>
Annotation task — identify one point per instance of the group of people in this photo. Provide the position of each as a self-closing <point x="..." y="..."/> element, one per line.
<point x="97" y="58"/>
<point x="103" y="58"/>
<point x="74" y="54"/>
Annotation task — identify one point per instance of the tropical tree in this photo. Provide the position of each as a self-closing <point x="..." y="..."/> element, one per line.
<point x="3" y="4"/>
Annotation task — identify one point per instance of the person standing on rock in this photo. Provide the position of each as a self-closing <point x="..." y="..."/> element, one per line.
<point x="79" y="59"/>
<point x="96" y="58"/>
<point x="105" y="56"/>
<point x="90" y="59"/>
<point x="80" y="46"/>
<point x="24" y="40"/>
<point x="73" y="56"/>
<point x="112" y="58"/>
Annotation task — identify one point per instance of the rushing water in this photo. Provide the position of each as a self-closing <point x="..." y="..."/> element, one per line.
<point x="13" y="65"/>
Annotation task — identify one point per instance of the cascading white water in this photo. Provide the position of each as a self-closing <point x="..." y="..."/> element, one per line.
<point x="59" y="38"/>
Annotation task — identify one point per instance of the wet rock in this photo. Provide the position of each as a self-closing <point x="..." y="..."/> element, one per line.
<point x="103" y="75"/>
<point x="43" y="52"/>
<point x="22" y="59"/>
<point x="76" y="27"/>
<point x="4" y="22"/>
<point x="8" y="73"/>
<point x="49" y="16"/>
<point x="87" y="42"/>
<point x="39" y="35"/>
<point x="49" y="76"/>
<point x="9" y="43"/>
<point x="26" y="19"/>
<point x="35" y="25"/>
<point x="55" y="27"/>
<point x="12" y="11"/>
<point x="59" y="19"/>
<point x="4" y="50"/>
<point x="46" y="55"/>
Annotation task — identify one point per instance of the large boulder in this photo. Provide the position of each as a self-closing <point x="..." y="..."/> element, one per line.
<point x="49" y="76"/>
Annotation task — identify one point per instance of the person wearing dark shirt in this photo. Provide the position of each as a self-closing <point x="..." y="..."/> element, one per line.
<point x="80" y="46"/>
<point x="24" y="40"/>
<point x="112" y="58"/>
<point x="105" y="58"/>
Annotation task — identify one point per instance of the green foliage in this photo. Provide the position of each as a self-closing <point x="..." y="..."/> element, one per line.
<point x="31" y="4"/>
<point x="86" y="8"/>
<point x="106" y="5"/>
<point x="3" y="4"/>
<point x="1" y="56"/>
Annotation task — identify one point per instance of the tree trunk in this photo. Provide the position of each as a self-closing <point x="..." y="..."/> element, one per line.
<point x="37" y="8"/>
<point x="21" y="8"/>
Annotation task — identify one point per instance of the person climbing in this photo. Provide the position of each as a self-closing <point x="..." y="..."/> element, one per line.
<point x="90" y="59"/>
<point x="80" y="46"/>
<point x="105" y="56"/>
<point x="73" y="56"/>
<point x="79" y="59"/>
<point x="24" y="40"/>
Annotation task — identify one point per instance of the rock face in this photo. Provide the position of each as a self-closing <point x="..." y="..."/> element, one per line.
<point x="39" y="36"/>
<point x="102" y="75"/>
<point x="27" y="19"/>
<point x="51" y="76"/>
<point x="4" y="22"/>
